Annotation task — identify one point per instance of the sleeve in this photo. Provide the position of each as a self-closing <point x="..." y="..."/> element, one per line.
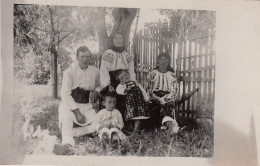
<point x="131" y="67"/>
<point x="66" y="88"/>
<point x="120" y="89"/>
<point x="174" y="91"/>
<point x="98" y="119"/>
<point x="97" y="82"/>
<point x="120" y="123"/>
<point x="106" y="61"/>
<point x="146" y="97"/>
<point x="150" y="84"/>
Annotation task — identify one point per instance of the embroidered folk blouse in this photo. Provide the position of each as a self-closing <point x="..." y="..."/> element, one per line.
<point x="157" y="81"/>
<point x="112" y="61"/>
<point x="109" y="117"/>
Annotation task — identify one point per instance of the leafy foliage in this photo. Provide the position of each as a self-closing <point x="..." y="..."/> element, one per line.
<point x="35" y="119"/>
<point x="57" y="30"/>
<point x="32" y="34"/>
<point x="30" y="68"/>
<point x="179" y="21"/>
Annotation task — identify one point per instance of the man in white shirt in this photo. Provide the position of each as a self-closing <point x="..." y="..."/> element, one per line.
<point x="79" y="91"/>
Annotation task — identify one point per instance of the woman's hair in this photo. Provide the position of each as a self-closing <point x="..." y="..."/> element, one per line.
<point x="113" y="47"/>
<point x="119" y="72"/>
<point x="82" y="49"/>
<point x="169" y="68"/>
<point x="106" y="92"/>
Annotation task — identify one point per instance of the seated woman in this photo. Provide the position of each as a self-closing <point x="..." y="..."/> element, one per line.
<point x="114" y="59"/>
<point x="163" y="90"/>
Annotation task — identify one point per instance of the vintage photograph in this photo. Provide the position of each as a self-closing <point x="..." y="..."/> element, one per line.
<point x="103" y="81"/>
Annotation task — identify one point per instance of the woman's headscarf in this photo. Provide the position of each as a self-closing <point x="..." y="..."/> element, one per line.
<point x="169" y="68"/>
<point x="117" y="49"/>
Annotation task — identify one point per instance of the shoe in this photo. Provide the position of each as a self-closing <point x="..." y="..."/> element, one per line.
<point x="105" y="140"/>
<point x="115" y="140"/>
<point x="173" y="129"/>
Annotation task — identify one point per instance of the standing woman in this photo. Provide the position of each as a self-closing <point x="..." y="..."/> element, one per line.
<point x="113" y="60"/>
<point x="162" y="87"/>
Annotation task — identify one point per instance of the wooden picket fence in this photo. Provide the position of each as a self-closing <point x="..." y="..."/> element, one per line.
<point x="192" y="54"/>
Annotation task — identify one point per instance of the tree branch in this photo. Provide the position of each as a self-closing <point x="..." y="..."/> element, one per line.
<point x="41" y="29"/>
<point x="136" y="24"/>
<point x="67" y="35"/>
<point x="100" y="24"/>
<point x="117" y="21"/>
<point x="128" y="22"/>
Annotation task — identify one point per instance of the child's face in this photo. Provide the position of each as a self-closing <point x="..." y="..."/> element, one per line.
<point x="124" y="77"/>
<point x="110" y="103"/>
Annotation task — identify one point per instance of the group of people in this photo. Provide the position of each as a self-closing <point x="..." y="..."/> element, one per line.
<point x="126" y="103"/>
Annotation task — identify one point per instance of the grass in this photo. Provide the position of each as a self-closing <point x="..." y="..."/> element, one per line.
<point x="195" y="143"/>
<point x="35" y="101"/>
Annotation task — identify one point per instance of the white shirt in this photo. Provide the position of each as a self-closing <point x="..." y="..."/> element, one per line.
<point x="113" y="117"/>
<point x="112" y="61"/>
<point x="74" y="77"/>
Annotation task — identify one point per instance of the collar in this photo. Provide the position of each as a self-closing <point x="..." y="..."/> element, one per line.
<point x="82" y="68"/>
<point x="162" y="72"/>
<point x="118" y="49"/>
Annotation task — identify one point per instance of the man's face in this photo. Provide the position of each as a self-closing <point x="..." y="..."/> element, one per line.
<point x="84" y="59"/>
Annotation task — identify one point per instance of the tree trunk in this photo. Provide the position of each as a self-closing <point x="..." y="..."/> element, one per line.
<point x="124" y="18"/>
<point x="55" y="73"/>
<point x="100" y="24"/>
<point x="123" y="21"/>
<point x="54" y="55"/>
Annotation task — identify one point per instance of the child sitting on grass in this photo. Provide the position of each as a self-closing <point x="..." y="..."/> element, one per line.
<point x="136" y="100"/>
<point x="109" y="119"/>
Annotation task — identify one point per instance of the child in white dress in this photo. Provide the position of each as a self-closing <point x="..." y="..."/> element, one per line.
<point x="109" y="119"/>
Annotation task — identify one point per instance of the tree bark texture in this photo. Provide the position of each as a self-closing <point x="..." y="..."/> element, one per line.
<point x="54" y="56"/>
<point x="123" y="19"/>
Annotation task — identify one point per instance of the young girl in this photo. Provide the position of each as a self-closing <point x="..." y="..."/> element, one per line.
<point x="109" y="119"/>
<point x="136" y="99"/>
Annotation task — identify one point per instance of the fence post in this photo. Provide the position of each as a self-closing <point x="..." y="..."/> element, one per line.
<point x="160" y="41"/>
<point x="178" y="60"/>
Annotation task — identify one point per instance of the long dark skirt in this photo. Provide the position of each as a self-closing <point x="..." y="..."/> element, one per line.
<point x="135" y="104"/>
<point x="157" y="113"/>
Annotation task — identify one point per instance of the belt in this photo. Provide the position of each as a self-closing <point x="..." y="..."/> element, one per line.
<point x="160" y="93"/>
<point x="80" y="95"/>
